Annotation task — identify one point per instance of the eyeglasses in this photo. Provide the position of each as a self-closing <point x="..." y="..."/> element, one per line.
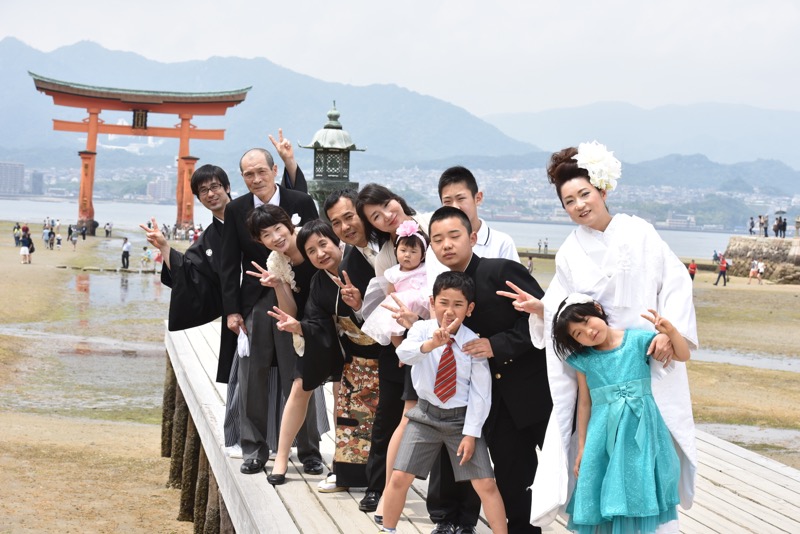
<point x="214" y="188"/>
<point x="261" y="172"/>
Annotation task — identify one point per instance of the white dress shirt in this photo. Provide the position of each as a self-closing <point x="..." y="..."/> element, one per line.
<point x="473" y="377"/>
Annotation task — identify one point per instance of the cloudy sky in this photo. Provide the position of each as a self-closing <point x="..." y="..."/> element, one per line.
<point x="488" y="57"/>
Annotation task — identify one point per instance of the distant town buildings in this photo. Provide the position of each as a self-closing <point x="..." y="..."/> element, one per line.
<point x="12" y="178"/>
<point x="161" y="189"/>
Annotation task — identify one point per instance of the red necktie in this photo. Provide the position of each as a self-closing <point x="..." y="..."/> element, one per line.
<point x="445" y="385"/>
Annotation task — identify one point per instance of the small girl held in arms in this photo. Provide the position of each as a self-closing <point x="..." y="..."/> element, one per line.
<point x="407" y="283"/>
<point x="627" y="469"/>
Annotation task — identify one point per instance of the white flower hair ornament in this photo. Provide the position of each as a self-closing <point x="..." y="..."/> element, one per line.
<point x="409" y="228"/>
<point x="295" y="219"/>
<point x="574" y="298"/>
<point x="603" y="168"/>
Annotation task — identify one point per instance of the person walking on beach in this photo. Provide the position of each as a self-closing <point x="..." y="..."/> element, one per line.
<point x="692" y="269"/>
<point x="723" y="271"/>
<point x="126" y="250"/>
<point x="761" y="268"/>
<point x="752" y="226"/>
<point x="25" y="243"/>
<point x="545" y="245"/>
<point x="753" y="271"/>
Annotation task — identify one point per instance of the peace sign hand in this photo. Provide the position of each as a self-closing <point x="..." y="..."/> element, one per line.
<point x="282" y="146"/>
<point x="442" y="334"/>
<point x="154" y="235"/>
<point x="523" y="301"/>
<point x="266" y="278"/>
<point x="401" y="313"/>
<point x="350" y="293"/>
<point x="285" y="322"/>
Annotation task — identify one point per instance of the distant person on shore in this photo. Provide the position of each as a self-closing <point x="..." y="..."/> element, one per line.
<point x="25" y="243"/>
<point x="752" y="226"/>
<point x="51" y="240"/>
<point x="753" y="271"/>
<point x="540" y="246"/>
<point x="766" y="225"/>
<point x="126" y="251"/>
<point x="545" y="245"/>
<point x="530" y="265"/>
<point x="776" y="227"/>
<point x="83" y="232"/>
<point x="723" y="271"/>
<point x="715" y="258"/>
<point x="692" y="269"/>
<point x="147" y="258"/>
<point x="17" y="234"/>
<point x="74" y="239"/>
<point x="58" y="241"/>
<point x="761" y="268"/>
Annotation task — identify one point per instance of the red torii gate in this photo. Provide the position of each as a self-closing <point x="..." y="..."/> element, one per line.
<point x="140" y="103"/>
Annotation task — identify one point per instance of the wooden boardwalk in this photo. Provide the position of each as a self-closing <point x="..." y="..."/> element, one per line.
<point x="737" y="490"/>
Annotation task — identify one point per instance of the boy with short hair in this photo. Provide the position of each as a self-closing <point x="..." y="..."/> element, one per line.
<point x="454" y="401"/>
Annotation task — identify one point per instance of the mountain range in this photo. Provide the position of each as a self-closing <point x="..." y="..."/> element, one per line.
<point x="399" y="128"/>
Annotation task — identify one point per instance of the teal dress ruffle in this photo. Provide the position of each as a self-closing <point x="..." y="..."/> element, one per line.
<point x="628" y="480"/>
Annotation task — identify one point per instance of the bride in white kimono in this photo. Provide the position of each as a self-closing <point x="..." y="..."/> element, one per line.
<point x="623" y="263"/>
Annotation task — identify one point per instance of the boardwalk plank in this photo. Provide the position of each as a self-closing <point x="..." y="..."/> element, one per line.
<point x="737" y="490"/>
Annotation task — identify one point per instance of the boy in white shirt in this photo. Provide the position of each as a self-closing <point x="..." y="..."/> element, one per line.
<point x="454" y="400"/>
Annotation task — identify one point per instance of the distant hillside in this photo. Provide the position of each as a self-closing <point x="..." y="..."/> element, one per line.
<point x="767" y="176"/>
<point x="726" y="133"/>
<point x="396" y="125"/>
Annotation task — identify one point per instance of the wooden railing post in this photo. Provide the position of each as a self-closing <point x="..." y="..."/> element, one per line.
<point x="180" y="420"/>
<point x="168" y="409"/>
<point x="201" y="493"/>
<point x="191" y="455"/>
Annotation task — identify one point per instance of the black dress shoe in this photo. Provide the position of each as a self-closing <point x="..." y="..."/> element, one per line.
<point x="465" y="530"/>
<point x="443" y="528"/>
<point x="370" y="502"/>
<point x="276" y="480"/>
<point x="252" y="466"/>
<point x="313" y="467"/>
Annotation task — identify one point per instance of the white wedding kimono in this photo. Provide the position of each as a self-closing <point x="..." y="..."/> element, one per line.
<point x="628" y="269"/>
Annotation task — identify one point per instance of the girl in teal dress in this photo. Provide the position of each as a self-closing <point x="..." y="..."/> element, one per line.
<point x="627" y="469"/>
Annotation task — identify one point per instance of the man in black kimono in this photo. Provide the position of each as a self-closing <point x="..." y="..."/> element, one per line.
<point x="521" y="401"/>
<point x="245" y="304"/>
<point x="358" y="263"/>
<point x="196" y="296"/>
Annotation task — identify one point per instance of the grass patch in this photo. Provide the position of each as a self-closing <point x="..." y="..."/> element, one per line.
<point x="737" y="395"/>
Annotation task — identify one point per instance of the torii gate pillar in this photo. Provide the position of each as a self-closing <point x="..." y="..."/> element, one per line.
<point x="186" y="165"/>
<point x="85" y="206"/>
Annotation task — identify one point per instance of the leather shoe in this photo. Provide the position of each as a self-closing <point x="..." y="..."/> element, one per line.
<point x="276" y="480"/>
<point x="443" y="528"/>
<point x="370" y="502"/>
<point x="252" y="466"/>
<point x="465" y="530"/>
<point x="313" y="467"/>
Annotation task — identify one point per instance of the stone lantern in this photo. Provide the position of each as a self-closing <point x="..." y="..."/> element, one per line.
<point x="332" y="146"/>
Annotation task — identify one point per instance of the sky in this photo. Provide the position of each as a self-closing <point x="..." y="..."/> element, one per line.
<point x="487" y="57"/>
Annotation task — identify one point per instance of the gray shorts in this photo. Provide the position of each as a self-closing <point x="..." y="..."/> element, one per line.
<point x="428" y="428"/>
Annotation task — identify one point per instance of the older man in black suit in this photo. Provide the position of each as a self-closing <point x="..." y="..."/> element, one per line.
<point x="246" y="302"/>
<point x="521" y="401"/>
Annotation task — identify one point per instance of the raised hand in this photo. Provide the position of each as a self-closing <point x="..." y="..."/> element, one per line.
<point x="401" y="313"/>
<point x="350" y="293"/>
<point x="523" y="301"/>
<point x="661" y="347"/>
<point x="266" y="278"/>
<point x="154" y="235"/>
<point x="285" y="322"/>
<point x="283" y="146"/>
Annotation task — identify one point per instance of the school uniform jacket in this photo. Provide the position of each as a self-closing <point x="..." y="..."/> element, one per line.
<point x="519" y="370"/>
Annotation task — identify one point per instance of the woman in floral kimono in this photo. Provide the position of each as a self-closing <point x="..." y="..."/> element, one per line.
<point x="622" y="263"/>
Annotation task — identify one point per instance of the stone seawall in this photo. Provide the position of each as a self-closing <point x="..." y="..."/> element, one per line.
<point x="781" y="256"/>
